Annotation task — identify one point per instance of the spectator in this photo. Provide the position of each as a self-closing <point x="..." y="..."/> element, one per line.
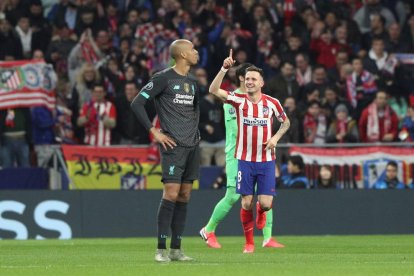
<point x="15" y="137"/>
<point x="361" y="87"/>
<point x="325" y="178"/>
<point x="59" y="49"/>
<point x="325" y="48"/>
<point x="408" y="32"/>
<point x="371" y="7"/>
<point x="378" y="122"/>
<point x="128" y="130"/>
<point x="271" y="67"/>
<point x="319" y="80"/>
<point x="201" y="75"/>
<point x="334" y="74"/>
<point x="40" y="26"/>
<point x="43" y="124"/>
<point x="295" y="177"/>
<point x="86" y="51"/>
<point x="343" y="129"/>
<point x="330" y="101"/>
<point x="315" y="124"/>
<point x="11" y="47"/>
<point x="289" y="50"/>
<point x="294" y="134"/>
<point x="377" y="25"/>
<point x="212" y="131"/>
<point x="284" y="85"/>
<point x="376" y="61"/>
<point x="398" y="103"/>
<point x="98" y="117"/>
<point x="390" y="179"/>
<point x="28" y="39"/>
<point x="65" y="13"/>
<point x="395" y="43"/>
<point x="303" y="69"/>
<point x="407" y="128"/>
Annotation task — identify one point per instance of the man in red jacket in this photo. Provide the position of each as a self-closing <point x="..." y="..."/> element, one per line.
<point x="378" y="122"/>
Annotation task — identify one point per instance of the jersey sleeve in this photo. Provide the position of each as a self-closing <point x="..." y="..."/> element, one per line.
<point x="278" y="110"/>
<point x="154" y="87"/>
<point x="234" y="99"/>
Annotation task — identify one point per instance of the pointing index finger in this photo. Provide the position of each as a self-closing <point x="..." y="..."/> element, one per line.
<point x="231" y="53"/>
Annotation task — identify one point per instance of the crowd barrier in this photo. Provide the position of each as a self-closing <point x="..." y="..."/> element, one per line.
<point x="86" y="214"/>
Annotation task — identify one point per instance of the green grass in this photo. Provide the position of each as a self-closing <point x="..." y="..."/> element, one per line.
<point x="311" y="255"/>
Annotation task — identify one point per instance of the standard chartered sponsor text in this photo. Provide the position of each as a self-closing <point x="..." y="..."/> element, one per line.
<point x="183" y="99"/>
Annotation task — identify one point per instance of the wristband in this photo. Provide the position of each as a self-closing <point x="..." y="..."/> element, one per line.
<point x="224" y="70"/>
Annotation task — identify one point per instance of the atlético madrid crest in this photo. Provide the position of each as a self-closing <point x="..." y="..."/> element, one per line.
<point x="265" y="111"/>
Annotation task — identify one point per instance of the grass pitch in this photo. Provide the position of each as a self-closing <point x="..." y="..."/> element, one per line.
<point x="310" y="255"/>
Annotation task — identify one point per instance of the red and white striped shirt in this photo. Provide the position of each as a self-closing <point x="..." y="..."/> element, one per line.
<point x="96" y="134"/>
<point x="254" y="123"/>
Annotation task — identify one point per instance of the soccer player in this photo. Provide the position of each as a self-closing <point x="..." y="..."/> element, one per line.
<point x="255" y="147"/>
<point x="224" y="206"/>
<point x="176" y="96"/>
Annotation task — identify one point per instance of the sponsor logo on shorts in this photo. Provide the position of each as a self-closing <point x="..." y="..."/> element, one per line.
<point x="171" y="172"/>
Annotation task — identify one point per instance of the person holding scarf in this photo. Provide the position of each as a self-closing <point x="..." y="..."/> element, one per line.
<point x="378" y="122"/>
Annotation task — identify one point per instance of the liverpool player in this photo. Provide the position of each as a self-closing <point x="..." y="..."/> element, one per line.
<point x="176" y="96"/>
<point x="224" y="206"/>
<point x="255" y="147"/>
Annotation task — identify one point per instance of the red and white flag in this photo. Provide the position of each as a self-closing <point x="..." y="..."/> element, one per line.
<point x="27" y="83"/>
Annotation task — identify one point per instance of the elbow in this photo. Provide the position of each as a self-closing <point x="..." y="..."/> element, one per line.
<point x="212" y="90"/>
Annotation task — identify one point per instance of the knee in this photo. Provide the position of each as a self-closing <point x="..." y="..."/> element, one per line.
<point x="233" y="198"/>
<point x="265" y="205"/>
<point x="184" y="196"/>
<point x="247" y="204"/>
<point x="171" y="195"/>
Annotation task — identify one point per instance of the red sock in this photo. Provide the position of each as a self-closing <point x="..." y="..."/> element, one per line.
<point x="246" y="218"/>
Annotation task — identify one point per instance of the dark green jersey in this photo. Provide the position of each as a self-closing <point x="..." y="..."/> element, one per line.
<point x="177" y="104"/>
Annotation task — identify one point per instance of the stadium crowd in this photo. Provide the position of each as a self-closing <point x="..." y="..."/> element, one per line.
<point x="338" y="67"/>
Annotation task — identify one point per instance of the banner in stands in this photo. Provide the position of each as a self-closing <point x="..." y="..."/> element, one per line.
<point x="357" y="167"/>
<point x="112" y="168"/>
<point x="27" y="83"/>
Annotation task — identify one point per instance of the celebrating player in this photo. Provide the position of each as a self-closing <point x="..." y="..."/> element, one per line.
<point x="255" y="147"/>
<point x="224" y="206"/>
<point x="176" y="102"/>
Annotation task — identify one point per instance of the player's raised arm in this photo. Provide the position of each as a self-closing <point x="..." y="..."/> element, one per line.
<point x="215" y="85"/>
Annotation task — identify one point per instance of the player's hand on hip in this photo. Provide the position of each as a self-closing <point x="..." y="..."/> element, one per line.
<point x="270" y="144"/>
<point x="229" y="61"/>
<point x="164" y="140"/>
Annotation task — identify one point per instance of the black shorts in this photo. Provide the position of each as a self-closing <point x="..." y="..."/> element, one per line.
<point x="180" y="164"/>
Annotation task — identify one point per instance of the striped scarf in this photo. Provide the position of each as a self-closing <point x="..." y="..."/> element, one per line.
<point x="368" y="85"/>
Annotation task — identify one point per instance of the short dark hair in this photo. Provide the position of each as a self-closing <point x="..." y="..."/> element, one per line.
<point x="98" y="84"/>
<point x="255" y="69"/>
<point x="297" y="161"/>
<point x="377" y="38"/>
<point x="314" y="102"/>
<point x="392" y="164"/>
<point x="131" y="82"/>
<point x="241" y="71"/>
